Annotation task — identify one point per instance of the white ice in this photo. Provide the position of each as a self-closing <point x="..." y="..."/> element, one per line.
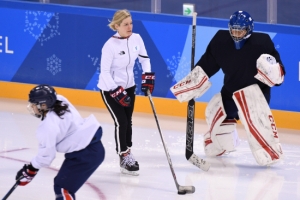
<point x="234" y="176"/>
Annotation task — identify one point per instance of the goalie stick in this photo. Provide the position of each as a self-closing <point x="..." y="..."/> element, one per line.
<point x="189" y="152"/>
<point x="180" y="189"/>
<point x="13" y="188"/>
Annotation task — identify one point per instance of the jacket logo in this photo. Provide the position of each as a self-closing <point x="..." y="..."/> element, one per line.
<point x="122" y="53"/>
<point x="182" y="84"/>
<point x="136" y="48"/>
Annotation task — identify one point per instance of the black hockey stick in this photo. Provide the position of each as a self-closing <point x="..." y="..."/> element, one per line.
<point x="180" y="189"/>
<point x="189" y="152"/>
<point x="13" y="188"/>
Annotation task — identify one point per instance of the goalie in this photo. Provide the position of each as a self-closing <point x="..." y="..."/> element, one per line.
<point x="251" y="66"/>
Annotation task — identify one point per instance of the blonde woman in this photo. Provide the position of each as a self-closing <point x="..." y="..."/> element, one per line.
<point x="117" y="85"/>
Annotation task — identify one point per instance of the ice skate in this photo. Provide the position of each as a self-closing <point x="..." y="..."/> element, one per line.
<point x="136" y="162"/>
<point x="128" y="165"/>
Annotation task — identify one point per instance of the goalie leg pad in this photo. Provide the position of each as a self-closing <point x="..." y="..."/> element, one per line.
<point x="194" y="85"/>
<point x="264" y="158"/>
<point x="223" y="142"/>
<point x="228" y="137"/>
<point x="222" y="136"/>
<point x="256" y="116"/>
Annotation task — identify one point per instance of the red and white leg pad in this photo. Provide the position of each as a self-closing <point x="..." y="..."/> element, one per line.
<point x="222" y="136"/>
<point x="256" y="116"/>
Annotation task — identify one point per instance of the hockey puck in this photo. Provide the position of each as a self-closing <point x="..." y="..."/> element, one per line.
<point x="181" y="192"/>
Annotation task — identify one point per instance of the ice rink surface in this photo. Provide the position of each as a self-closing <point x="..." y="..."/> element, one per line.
<point x="234" y="176"/>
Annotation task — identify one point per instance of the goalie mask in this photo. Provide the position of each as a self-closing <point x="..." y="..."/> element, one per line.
<point x="240" y="27"/>
<point x="41" y="98"/>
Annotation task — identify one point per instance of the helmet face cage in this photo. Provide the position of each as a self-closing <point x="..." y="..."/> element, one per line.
<point x="43" y="94"/>
<point x="237" y="32"/>
<point x="35" y="110"/>
<point x="240" y="22"/>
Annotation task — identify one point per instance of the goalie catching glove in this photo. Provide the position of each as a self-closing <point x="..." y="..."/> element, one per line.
<point x="148" y="80"/>
<point x="269" y="71"/>
<point x="194" y="85"/>
<point x="28" y="172"/>
<point x="120" y="96"/>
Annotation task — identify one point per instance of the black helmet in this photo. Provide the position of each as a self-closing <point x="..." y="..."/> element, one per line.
<point x="43" y="94"/>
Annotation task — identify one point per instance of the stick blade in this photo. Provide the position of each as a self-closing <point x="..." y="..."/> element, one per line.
<point x="186" y="189"/>
<point x="198" y="162"/>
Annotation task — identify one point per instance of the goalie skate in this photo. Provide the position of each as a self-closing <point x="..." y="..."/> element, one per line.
<point x="128" y="165"/>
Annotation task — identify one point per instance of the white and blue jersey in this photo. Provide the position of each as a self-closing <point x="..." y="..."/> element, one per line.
<point x="65" y="134"/>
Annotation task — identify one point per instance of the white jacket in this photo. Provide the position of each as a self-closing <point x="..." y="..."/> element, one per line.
<point x="118" y="59"/>
<point x="67" y="134"/>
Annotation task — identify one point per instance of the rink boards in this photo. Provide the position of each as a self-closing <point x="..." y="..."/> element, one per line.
<point x="164" y="106"/>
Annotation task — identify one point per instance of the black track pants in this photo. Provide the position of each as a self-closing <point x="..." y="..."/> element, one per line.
<point x="122" y="117"/>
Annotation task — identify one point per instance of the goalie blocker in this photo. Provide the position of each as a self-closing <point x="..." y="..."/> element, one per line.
<point x="194" y="85"/>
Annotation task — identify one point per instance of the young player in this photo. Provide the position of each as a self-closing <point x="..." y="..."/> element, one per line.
<point x="251" y="66"/>
<point x="62" y="129"/>
<point x="117" y="85"/>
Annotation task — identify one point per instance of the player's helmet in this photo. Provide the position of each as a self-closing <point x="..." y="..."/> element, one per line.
<point x="240" y="21"/>
<point x="43" y="94"/>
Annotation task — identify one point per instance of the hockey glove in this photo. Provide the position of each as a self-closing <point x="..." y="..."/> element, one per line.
<point x="28" y="172"/>
<point x="269" y="71"/>
<point x="148" y="79"/>
<point x="120" y="96"/>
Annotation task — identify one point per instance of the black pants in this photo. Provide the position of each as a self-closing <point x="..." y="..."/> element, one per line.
<point x="122" y="117"/>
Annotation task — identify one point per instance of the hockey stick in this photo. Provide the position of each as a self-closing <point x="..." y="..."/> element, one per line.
<point x="189" y="152"/>
<point x="13" y="188"/>
<point x="180" y="189"/>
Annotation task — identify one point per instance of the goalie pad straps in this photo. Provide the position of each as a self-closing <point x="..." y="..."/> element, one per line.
<point x="222" y="136"/>
<point x="256" y="116"/>
<point x="268" y="70"/>
<point x="194" y="85"/>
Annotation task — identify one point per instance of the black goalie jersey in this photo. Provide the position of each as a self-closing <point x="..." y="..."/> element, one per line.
<point x="238" y="66"/>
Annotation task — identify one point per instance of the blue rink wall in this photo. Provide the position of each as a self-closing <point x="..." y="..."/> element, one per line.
<point x="61" y="46"/>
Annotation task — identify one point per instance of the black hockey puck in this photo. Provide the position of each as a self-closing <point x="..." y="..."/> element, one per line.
<point x="181" y="192"/>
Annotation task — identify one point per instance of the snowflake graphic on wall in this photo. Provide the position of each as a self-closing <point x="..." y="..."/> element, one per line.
<point x="137" y="71"/>
<point x="178" y="66"/>
<point x="41" y="25"/>
<point x="95" y="62"/>
<point x="54" y="65"/>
